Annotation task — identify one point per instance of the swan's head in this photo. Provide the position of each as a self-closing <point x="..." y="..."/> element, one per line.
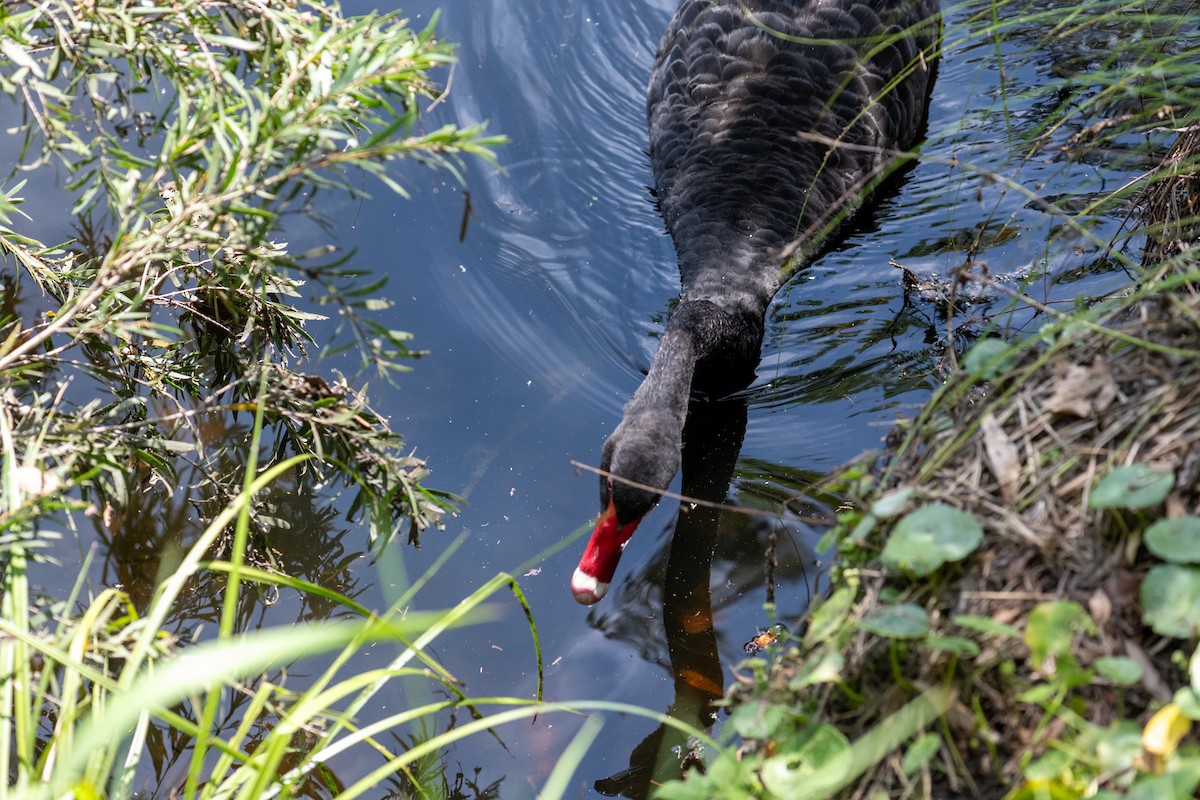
<point x="637" y="465"/>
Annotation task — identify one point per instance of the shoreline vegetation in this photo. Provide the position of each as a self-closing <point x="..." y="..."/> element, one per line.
<point x="154" y="387"/>
<point x="1016" y="601"/>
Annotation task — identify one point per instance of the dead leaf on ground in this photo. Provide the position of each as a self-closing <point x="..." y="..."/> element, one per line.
<point x="1082" y="391"/>
<point x="1002" y="457"/>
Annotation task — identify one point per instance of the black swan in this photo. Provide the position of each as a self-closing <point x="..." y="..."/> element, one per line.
<point x="769" y="122"/>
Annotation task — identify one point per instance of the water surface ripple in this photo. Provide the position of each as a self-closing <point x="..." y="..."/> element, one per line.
<point x="542" y="321"/>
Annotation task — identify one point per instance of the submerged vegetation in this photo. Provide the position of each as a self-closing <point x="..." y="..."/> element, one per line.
<point x="1016" y="602"/>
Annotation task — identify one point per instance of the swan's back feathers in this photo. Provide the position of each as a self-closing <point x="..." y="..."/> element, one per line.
<point x="735" y="88"/>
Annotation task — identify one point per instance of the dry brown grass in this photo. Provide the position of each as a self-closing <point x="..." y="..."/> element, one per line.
<point x="1171" y="206"/>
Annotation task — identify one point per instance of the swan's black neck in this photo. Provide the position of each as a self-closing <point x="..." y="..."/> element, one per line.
<point x="705" y="350"/>
<point x="730" y="344"/>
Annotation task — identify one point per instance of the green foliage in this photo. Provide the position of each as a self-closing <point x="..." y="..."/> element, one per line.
<point x="186" y="130"/>
<point x="111" y="674"/>
<point x="110" y="670"/>
<point x="893" y="503"/>
<point x="1134" y="486"/>
<point x="1121" y="670"/>
<point x="790" y="748"/>
<point x="812" y="763"/>
<point x="903" y="621"/>
<point x="989" y="358"/>
<point x="927" y="538"/>
<point x="132" y="357"/>
<point x="1050" y="634"/>
<point x="1175" y="540"/>
<point x="1171" y="600"/>
<point x="1059" y="683"/>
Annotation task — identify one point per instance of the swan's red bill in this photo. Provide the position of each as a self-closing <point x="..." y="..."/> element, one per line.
<point x="595" y="571"/>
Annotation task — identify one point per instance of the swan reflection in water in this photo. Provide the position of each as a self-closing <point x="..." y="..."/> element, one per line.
<point x="714" y="435"/>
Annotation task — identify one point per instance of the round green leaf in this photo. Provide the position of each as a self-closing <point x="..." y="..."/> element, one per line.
<point x="813" y="769"/>
<point x="929" y="537"/>
<point x="1171" y="600"/>
<point x="1175" y="540"/>
<point x="826" y="669"/>
<point x="1051" y="628"/>
<point x="1121" y="670"/>
<point x="1116" y="748"/>
<point x="1051" y="765"/>
<point x="1134" y="486"/>
<point x="762" y="720"/>
<point x="828" y="617"/>
<point x="1173" y="784"/>
<point x="903" y="621"/>
<point x="863" y="529"/>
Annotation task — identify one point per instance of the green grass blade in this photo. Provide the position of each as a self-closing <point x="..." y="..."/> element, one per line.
<point x="568" y="762"/>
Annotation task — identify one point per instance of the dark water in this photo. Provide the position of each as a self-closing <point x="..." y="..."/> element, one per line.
<point x="540" y="323"/>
